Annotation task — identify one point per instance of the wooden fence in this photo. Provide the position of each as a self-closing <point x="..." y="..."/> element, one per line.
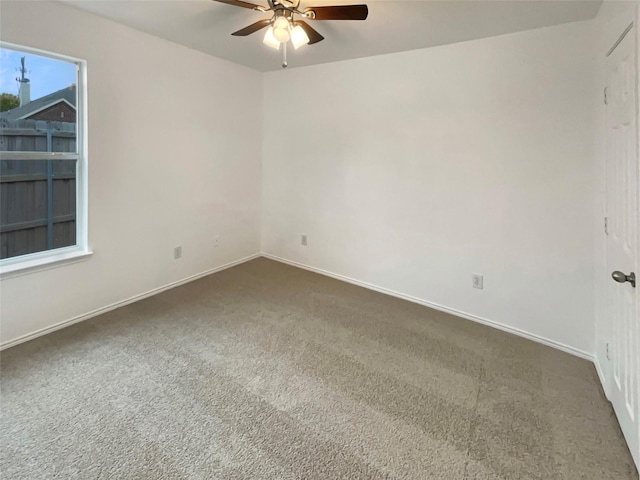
<point x="37" y="197"/>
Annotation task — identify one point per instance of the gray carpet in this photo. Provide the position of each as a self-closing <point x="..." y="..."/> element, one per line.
<point x="265" y="371"/>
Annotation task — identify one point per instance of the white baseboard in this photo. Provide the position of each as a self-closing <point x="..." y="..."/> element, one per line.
<point x="113" y="306"/>
<point x="420" y="301"/>
<point x="601" y="376"/>
<point x="442" y="308"/>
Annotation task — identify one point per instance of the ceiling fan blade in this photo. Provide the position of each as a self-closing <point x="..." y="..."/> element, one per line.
<point x="338" y="12"/>
<point x="314" y="37"/>
<point x="254" y="27"/>
<point x="239" y="3"/>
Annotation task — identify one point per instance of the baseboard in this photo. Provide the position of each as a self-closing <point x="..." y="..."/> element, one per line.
<point x="420" y="301"/>
<point x="442" y="308"/>
<point x="113" y="306"/>
<point x="601" y="376"/>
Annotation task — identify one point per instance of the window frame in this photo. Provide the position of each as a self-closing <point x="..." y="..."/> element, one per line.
<point x="47" y="259"/>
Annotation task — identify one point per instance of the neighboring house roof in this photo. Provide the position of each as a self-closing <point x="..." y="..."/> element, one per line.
<point x="67" y="95"/>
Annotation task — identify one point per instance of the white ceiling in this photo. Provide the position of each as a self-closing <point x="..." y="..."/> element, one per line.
<point x="392" y="26"/>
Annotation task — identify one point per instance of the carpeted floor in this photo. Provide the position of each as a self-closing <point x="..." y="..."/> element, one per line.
<point x="265" y="371"/>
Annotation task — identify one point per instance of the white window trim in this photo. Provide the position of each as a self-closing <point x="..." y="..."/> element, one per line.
<point x="47" y="259"/>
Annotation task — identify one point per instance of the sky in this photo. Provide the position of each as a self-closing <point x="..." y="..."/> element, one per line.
<point x="46" y="75"/>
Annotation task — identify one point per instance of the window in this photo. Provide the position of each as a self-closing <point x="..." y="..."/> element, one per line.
<point x="43" y="184"/>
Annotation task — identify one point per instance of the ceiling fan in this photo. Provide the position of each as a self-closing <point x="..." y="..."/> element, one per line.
<point x="284" y="27"/>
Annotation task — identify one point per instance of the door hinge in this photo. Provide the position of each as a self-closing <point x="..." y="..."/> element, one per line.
<point x="606" y="225"/>
<point x="606" y="102"/>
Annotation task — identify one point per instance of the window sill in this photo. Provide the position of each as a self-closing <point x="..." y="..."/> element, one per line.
<point x="40" y="262"/>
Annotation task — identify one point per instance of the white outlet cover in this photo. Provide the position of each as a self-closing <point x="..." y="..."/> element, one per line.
<point x="477" y="281"/>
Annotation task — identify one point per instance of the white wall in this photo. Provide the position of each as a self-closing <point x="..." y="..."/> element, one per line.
<point x="612" y="19"/>
<point x="407" y="171"/>
<point x="412" y="171"/>
<point x="170" y="164"/>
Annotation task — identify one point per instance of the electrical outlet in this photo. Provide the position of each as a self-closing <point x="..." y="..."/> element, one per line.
<point x="216" y="241"/>
<point x="177" y="252"/>
<point x="303" y="239"/>
<point x="477" y="281"/>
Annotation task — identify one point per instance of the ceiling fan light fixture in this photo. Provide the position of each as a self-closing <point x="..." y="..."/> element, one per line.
<point x="282" y="29"/>
<point x="270" y="40"/>
<point x="287" y="22"/>
<point x="299" y="37"/>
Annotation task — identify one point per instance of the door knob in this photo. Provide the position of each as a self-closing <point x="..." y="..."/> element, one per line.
<point x="621" y="278"/>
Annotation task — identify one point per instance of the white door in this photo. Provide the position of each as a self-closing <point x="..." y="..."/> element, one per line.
<point x="623" y="206"/>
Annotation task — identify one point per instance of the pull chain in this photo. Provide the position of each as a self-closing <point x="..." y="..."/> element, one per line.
<point x="284" y="55"/>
